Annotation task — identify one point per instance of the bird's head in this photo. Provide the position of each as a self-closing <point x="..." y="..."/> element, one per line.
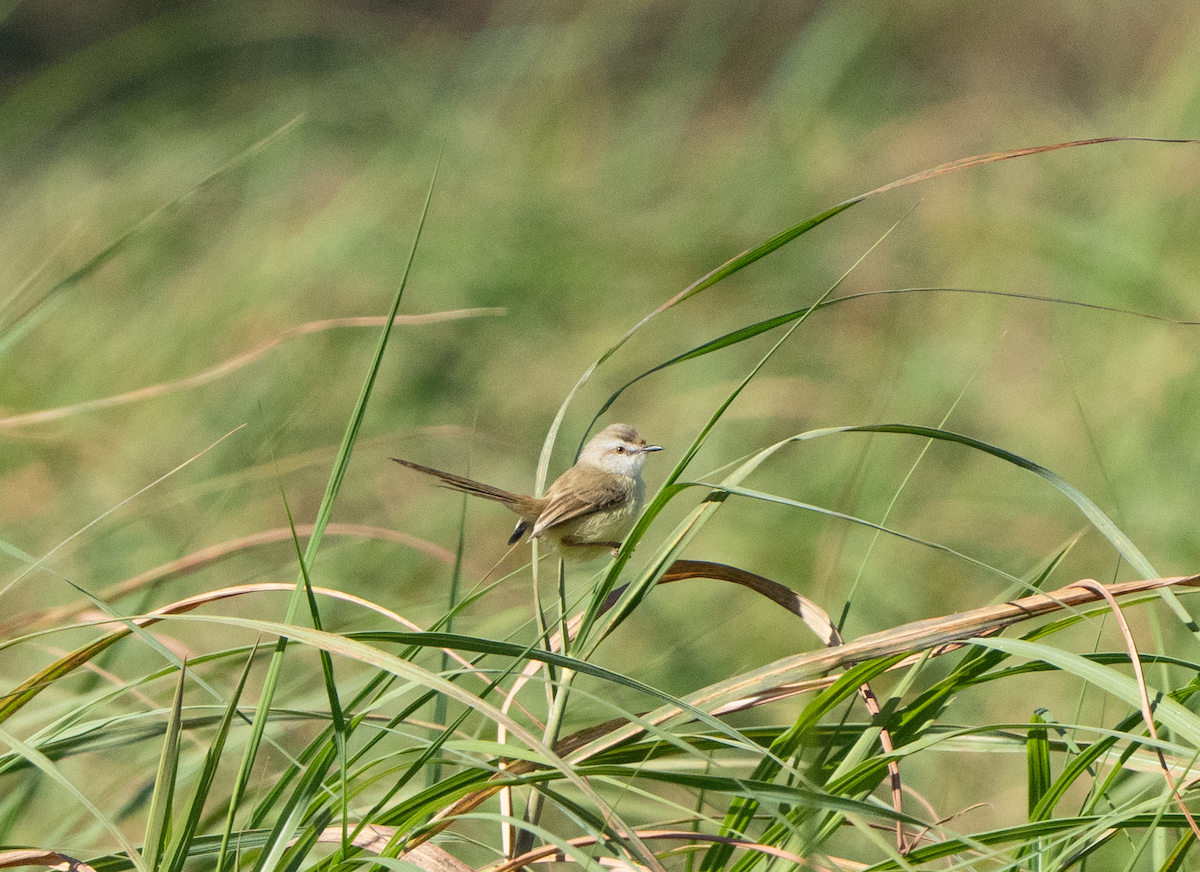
<point x="618" y="449"/>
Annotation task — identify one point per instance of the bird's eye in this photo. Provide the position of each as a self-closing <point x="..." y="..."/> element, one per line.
<point x="620" y="449"/>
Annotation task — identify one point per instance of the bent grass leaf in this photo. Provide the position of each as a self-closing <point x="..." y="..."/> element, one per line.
<point x="749" y="332"/>
<point x="746" y="258"/>
<point x="229" y="366"/>
<point x="1170" y="713"/>
<point x="1103" y="524"/>
<point x="1095" y="516"/>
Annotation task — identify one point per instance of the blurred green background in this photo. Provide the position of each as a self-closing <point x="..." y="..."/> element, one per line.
<point x="596" y="158"/>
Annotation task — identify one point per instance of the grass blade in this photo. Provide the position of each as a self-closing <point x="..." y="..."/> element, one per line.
<point x="158" y="830"/>
<point x="1037" y="757"/>
<point x="293" y="812"/>
<point x="338" y="473"/>
<point x="180" y="848"/>
<point x="25" y="319"/>
<point x="38" y="759"/>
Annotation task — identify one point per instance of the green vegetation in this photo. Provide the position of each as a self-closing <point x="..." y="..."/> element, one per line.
<point x="915" y="404"/>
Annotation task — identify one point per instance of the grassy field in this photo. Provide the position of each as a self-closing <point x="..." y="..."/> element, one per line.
<point x="207" y="211"/>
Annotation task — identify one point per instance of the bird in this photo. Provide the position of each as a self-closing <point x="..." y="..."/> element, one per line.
<point x="589" y="509"/>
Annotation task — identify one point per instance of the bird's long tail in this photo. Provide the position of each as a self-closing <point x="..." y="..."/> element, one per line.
<point x="526" y="507"/>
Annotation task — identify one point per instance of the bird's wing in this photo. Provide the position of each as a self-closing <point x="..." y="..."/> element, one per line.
<point x="565" y="505"/>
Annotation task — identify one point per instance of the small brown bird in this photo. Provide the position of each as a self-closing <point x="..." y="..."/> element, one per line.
<point x="589" y="509"/>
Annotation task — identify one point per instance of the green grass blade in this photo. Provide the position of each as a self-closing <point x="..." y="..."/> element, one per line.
<point x="1177" y="857"/>
<point x="1091" y="511"/>
<point x="179" y="850"/>
<point x="743" y="809"/>
<point x="158" y="830"/>
<point x="769" y="324"/>
<point x="1037" y="762"/>
<point x="341" y="463"/>
<point x="879" y="528"/>
<point x="338" y="721"/>
<point x="293" y="858"/>
<point x="706" y="281"/>
<point x="763" y="792"/>
<point x="38" y="759"/>
<point x="294" y="811"/>
<point x="1170" y="713"/>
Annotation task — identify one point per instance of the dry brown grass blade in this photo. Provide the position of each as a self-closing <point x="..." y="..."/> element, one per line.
<point x="814" y="617"/>
<point x="1144" y="696"/>
<point x="804" y="672"/>
<point x="549" y="852"/>
<point x="375" y="838"/>
<point x="950" y="629"/>
<point x="230" y="365"/>
<point x="871" y="701"/>
<point x="15" y="699"/>
<point x="994" y="157"/>
<point x="49" y="859"/>
<point x="213" y="554"/>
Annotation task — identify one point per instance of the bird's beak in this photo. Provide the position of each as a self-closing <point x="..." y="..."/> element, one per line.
<point x="649" y="448"/>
